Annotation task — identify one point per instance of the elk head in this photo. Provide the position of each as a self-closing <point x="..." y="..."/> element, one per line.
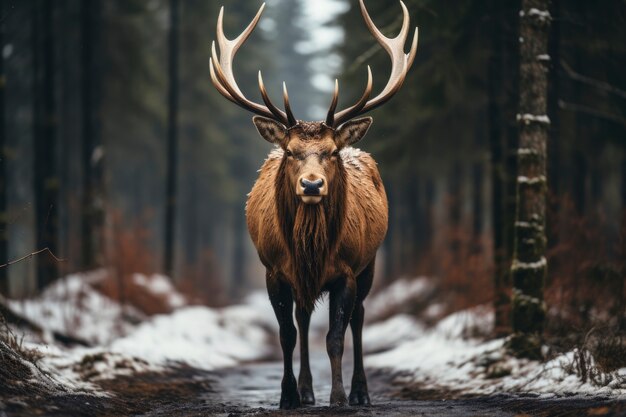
<point x="311" y="149"/>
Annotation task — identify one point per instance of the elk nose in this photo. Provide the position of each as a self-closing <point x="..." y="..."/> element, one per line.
<point x="311" y="187"/>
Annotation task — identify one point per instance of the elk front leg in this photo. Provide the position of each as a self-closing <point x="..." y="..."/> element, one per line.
<point x="341" y="304"/>
<point x="305" y="381"/>
<point x="282" y="302"/>
<point x="358" y="390"/>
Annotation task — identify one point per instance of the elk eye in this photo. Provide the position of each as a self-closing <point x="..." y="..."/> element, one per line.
<point x="335" y="152"/>
<point x="288" y="153"/>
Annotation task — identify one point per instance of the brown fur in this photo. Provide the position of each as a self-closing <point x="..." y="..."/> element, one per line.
<point x="309" y="246"/>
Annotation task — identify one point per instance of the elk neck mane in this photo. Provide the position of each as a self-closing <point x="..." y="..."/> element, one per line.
<point x="311" y="233"/>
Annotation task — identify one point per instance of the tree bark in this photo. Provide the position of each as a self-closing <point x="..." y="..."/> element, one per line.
<point x="528" y="269"/>
<point x="46" y="182"/>
<point x="172" y="141"/>
<point x="92" y="227"/>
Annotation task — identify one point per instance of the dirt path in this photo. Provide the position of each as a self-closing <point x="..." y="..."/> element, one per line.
<point x="253" y="390"/>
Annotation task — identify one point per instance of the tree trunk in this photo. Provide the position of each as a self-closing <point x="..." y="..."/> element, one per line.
<point x="172" y="141"/>
<point x="4" y="233"/>
<point x="46" y="182"/>
<point x="503" y="99"/>
<point x="528" y="269"/>
<point x="239" y="254"/>
<point x="554" y="140"/>
<point x="92" y="227"/>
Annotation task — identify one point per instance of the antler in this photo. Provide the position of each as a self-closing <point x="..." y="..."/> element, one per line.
<point x="223" y="79"/>
<point x="400" y="64"/>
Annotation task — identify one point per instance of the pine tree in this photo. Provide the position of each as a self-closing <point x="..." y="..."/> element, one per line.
<point x="46" y="181"/>
<point x="172" y="140"/>
<point x="4" y="236"/>
<point x="92" y="227"/>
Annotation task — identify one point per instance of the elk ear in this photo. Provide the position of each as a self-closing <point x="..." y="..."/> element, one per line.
<point x="271" y="130"/>
<point x="353" y="131"/>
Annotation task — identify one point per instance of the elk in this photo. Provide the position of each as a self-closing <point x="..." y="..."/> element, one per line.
<point x="317" y="212"/>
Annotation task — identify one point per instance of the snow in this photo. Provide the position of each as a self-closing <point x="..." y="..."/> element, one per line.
<point x="441" y="358"/>
<point x="446" y="356"/>
<point x="401" y="292"/>
<point x="541" y="263"/>
<point x="72" y="306"/>
<point x="390" y="333"/>
<point x="543" y="57"/>
<point x="541" y="179"/>
<point x="198" y="336"/>
<point x="161" y="286"/>
<point x="528" y="118"/>
<point x="542" y="15"/>
<point x="352" y="156"/>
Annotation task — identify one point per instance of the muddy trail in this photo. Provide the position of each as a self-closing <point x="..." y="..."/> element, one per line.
<point x="253" y="390"/>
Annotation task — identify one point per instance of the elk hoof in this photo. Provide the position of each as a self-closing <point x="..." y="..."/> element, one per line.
<point x="289" y="397"/>
<point x="338" y="399"/>
<point x="289" y="403"/>
<point x="359" y="397"/>
<point x="306" y="396"/>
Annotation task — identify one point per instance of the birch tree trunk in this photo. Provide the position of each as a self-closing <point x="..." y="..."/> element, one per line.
<point x="528" y="269"/>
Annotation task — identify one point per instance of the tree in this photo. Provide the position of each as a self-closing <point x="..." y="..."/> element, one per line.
<point x="4" y="244"/>
<point x="529" y="266"/>
<point x="172" y="140"/>
<point x="502" y="95"/>
<point x="4" y="235"/>
<point x="46" y="182"/>
<point x="92" y="152"/>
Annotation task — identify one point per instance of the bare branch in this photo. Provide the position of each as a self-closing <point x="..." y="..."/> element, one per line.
<point x="32" y="254"/>
<point x="600" y="85"/>
<point x="579" y="108"/>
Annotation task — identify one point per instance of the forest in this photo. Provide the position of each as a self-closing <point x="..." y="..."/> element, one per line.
<point x="125" y="259"/>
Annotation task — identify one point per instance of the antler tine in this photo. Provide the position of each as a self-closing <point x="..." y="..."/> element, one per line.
<point x="216" y="83"/>
<point x="290" y="118"/>
<point x="330" y="118"/>
<point x="267" y="101"/>
<point x="228" y="48"/>
<point x="400" y="63"/>
<point x="350" y="112"/>
<point x="413" y="52"/>
<point x="222" y="74"/>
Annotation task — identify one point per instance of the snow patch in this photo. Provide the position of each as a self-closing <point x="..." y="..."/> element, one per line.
<point x="72" y="306"/>
<point x="160" y="286"/>
<point x="541" y="179"/>
<point x="440" y="358"/>
<point x="528" y="118"/>
<point x="541" y="263"/>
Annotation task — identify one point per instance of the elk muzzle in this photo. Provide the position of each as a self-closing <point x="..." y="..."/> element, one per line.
<point x="311" y="188"/>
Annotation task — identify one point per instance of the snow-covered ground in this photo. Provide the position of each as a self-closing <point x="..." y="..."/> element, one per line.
<point x="444" y="356"/>
<point x="125" y="341"/>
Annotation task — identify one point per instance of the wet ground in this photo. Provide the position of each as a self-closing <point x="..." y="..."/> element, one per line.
<point x="253" y="390"/>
